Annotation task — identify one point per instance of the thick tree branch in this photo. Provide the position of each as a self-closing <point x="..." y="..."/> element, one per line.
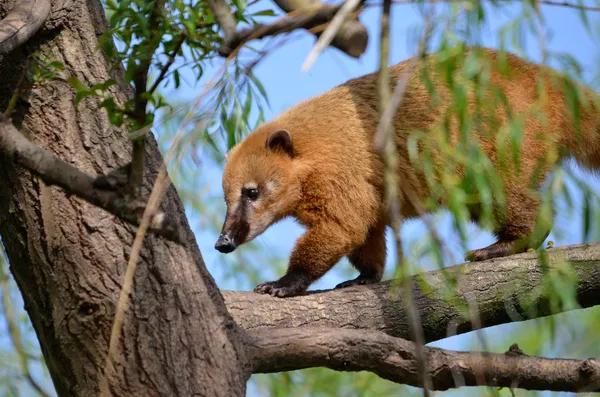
<point x="352" y="38"/>
<point x="22" y="22"/>
<point x="55" y="171"/>
<point x="497" y="288"/>
<point x="395" y="359"/>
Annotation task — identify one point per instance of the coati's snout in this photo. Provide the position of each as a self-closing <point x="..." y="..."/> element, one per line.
<point x="225" y="244"/>
<point x="234" y="233"/>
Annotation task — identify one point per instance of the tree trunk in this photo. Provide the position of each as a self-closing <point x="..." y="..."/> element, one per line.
<point x="69" y="257"/>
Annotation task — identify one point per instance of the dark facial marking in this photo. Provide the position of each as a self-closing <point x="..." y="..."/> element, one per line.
<point x="235" y="230"/>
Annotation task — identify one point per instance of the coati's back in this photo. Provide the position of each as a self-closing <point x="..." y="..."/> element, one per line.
<point x="316" y="162"/>
<point x="510" y="75"/>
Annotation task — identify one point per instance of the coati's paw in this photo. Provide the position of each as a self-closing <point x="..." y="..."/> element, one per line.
<point x="360" y="280"/>
<point x="288" y="285"/>
<point x="475" y="256"/>
<point x="497" y="250"/>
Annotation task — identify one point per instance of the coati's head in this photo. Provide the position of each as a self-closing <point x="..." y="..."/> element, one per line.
<point x="259" y="186"/>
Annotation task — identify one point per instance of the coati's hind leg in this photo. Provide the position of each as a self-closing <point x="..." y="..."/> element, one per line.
<point x="516" y="230"/>
<point x="369" y="258"/>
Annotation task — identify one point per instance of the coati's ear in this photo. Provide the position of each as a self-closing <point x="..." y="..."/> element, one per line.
<point x="280" y="140"/>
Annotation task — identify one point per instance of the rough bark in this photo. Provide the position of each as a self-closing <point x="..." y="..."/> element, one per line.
<point x="54" y="171"/>
<point x="498" y="289"/>
<point x="68" y="256"/>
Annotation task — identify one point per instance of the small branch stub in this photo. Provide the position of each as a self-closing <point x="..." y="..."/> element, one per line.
<point x="24" y="20"/>
<point x="54" y="171"/>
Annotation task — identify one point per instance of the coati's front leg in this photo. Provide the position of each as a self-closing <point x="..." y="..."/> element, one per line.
<point x="316" y="251"/>
<point x="369" y="258"/>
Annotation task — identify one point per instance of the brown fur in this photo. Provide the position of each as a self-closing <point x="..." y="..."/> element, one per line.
<point x="330" y="179"/>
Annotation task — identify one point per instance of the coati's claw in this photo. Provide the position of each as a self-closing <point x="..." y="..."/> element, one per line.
<point x="471" y="256"/>
<point x="479" y="255"/>
<point x="497" y="250"/>
<point x="288" y="285"/>
<point x="360" y="280"/>
<point x="273" y="288"/>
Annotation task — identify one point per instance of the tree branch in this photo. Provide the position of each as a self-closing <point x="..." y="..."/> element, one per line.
<point x="140" y="81"/>
<point x="170" y="61"/>
<point x="55" y="171"/>
<point x="352" y="38"/>
<point x="22" y="22"/>
<point x="224" y="17"/>
<point x="498" y="288"/>
<point x="395" y="359"/>
<point x="541" y="2"/>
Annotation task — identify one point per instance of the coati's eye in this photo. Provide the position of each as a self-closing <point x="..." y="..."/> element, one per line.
<point x="251" y="193"/>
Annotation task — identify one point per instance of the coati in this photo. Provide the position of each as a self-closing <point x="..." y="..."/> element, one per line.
<point x="316" y="162"/>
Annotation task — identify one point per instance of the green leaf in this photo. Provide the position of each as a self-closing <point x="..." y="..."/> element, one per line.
<point x="76" y="84"/>
<point x="260" y="87"/>
<point x="264" y="13"/>
<point x="176" y="77"/>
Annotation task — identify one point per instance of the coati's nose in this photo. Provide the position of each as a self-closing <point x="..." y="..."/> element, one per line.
<point x="225" y="244"/>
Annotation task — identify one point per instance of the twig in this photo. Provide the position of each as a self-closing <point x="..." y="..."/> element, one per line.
<point x="395" y="359"/>
<point x="223" y="16"/>
<point x="18" y="89"/>
<point x="541" y="2"/>
<point x="15" y="333"/>
<point x="158" y="190"/>
<point x="24" y="20"/>
<point x="169" y="63"/>
<point x="55" y="171"/>
<point x="565" y="4"/>
<point x="392" y="197"/>
<point x="140" y="81"/>
<point x="329" y="33"/>
<point x="354" y="42"/>
<point x="123" y="303"/>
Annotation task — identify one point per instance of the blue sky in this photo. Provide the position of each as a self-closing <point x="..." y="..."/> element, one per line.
<point x="286" y="85"/>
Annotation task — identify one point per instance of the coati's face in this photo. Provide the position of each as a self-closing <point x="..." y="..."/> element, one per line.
<point x="259" y="187"/>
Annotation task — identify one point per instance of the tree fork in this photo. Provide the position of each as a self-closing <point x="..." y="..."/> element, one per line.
<point x="68" y="257"/>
